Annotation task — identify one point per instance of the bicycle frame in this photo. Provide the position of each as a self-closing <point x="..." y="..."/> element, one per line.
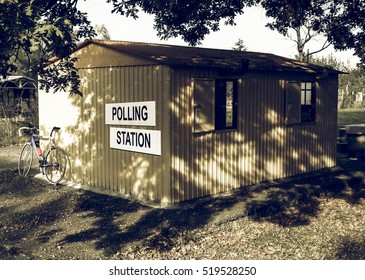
<point x="34" y="136"/>
<point x="52" y="161"/>
<point x="34" y="145"/>
<point x="41" y="137"/>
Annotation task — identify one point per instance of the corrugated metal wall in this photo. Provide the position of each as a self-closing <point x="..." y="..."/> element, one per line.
<point x="191" y="165"/>
<point x="262" y="148"/>
<point x="86" y="138"/>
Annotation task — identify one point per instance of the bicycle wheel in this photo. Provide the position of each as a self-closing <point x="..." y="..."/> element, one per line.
<point x="55" y="165"/>
<point x="25" y="159"/>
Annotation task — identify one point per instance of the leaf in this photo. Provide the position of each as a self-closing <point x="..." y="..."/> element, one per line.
<point x="48" y="29"/>
<point x="29" y="9"/>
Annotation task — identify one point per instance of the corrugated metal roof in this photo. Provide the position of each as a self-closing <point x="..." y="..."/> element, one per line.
<point x="205" y="57"/>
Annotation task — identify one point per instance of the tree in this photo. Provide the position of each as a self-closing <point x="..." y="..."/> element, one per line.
<point x="27" y="63"/>
<point x="240" y="45"/>
<point x="341" y="22"/>
<point x="299" y="18"/>
<point x="349" y="84"/>
<point x="190" y="19"/>
<point x="303" y="35"/>
<point x="50" y="28"/>
<point x="53" y="27"/>
<point x="102" y="32"/>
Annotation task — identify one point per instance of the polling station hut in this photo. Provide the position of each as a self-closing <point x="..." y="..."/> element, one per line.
<point x="171" y="123"/>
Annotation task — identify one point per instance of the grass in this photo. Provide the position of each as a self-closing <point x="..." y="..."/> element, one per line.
<point x="351" y="116"/>
<point x="6" y="142"/>
<point x="313" y="218"/>
<point x="9" y="131"/>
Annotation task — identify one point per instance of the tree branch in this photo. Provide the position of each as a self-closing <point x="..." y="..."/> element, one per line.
<point x="325" y="46"/>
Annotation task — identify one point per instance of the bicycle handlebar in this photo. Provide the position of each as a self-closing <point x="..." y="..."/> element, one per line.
<point x="25" y="128"/>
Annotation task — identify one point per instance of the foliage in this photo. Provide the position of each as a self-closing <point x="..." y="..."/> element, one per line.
<point x="303" y="18"/>
<point x="330" y="61"/>
<point x="50" y="28"/>
<point x="102" y="32"/>
<point x="240" y="45"/>
<point x="349" y="84"/>
<point x="9" y="130"/>
<point x="340" y="21"/>
<point x="354" y="81"/>
<point x="27" y="63"/>
<point x="190" y="19"/>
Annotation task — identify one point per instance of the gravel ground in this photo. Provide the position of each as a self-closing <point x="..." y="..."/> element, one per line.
<point x="316" y="217"/>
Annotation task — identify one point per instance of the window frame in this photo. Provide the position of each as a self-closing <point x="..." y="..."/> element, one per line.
<point x="296" y="111"/>
<point x="220" y="121"/>
<point x="312" y="105"/>
<point x="211" y="116"/>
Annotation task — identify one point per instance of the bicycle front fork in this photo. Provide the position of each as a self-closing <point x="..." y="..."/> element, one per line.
<point x="42" y="165"/>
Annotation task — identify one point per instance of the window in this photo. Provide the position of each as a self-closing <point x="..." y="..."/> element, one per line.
<point x="307" y="102"/>
<point x="215" y="104"/>
<point x="300" y="102"/>
<point x="226" y="101"/>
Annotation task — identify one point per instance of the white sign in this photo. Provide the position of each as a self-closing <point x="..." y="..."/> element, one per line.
<point x="136" y="140"/>
<point x="132" y="113"/>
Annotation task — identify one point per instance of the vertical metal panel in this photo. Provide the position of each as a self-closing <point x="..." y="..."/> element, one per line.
<point x="262" y="148"/>
<point x="86" y="137"/>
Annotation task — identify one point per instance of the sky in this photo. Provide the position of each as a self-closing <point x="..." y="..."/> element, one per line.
<point x="250" y="27"/>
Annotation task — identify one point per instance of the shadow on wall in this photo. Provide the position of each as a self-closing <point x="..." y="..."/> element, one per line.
<point x="262" y="148"/>
<point x="86" y="138"/>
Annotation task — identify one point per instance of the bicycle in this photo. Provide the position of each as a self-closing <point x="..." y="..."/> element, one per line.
<point x="53" y="164"/>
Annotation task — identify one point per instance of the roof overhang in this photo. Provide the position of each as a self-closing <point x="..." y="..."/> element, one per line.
<point x="223" y="60"/>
